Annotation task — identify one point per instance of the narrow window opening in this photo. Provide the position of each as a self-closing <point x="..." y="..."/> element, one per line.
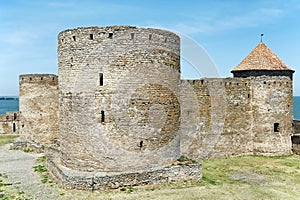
<point x="202" y="82"/>
<point x="141" y="144"/>
<point x="102" y="116"/>
<point x="41" y="78"/>
<point x="110" y="35"/>
<point x="131" y="36"/>
<point x="14" y="127"/>
<point x="62" y="40"/>
<point x="265" y="82"/>
<point x="91" y="36"/>
<point x="74" y="38"/>
<point x="150" y="37"/>
<point x="248" y="96"/>
<point x="52" y="78"/>
<point x="166" y="39"/>
<point x="101" y="79"/>
<point x="276" y="127"/>
<point x="30" y="79"/>
<point x="22" y="125"/>
<point x="15" y="116"/>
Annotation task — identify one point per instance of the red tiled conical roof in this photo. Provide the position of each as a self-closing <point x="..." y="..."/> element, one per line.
<point x="261" y="58"/>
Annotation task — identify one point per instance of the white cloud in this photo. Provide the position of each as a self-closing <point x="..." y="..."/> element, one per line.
<point x="18" y="38"/>
<point x="231" y="22"/>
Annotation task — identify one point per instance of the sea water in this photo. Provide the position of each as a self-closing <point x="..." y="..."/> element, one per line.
<point x="11" y="104"/>
<point x="296" y="107"/>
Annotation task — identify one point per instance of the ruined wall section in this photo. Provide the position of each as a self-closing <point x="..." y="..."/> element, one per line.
<point x="38" y="103"/>
<point x="272" y="106"/>
<point x="213" y="123"/>
<point x="9" y="123"/>
<point x="296" y="137"/>
<point x="119" y="107"/>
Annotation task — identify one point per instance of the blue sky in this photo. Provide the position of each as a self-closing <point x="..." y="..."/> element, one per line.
<point x="227" y="30"/>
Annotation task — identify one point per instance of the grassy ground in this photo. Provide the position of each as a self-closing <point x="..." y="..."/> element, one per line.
<point x="249" y="177"/>
<point x="5" y="138"/>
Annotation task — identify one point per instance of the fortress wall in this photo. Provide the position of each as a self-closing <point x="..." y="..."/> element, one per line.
<point x="273" y="116"/>
<point x="213" y="124"/>
<point x="296" y="127"/>
<point x="38" y="103"/>
<point x="236" y="137"/>
<point x="119" y="109"/>
<point x="9" y="123"/>
<point x="296" y="137"/>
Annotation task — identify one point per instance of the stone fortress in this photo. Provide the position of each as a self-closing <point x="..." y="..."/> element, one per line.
<point x="118" y="113"/>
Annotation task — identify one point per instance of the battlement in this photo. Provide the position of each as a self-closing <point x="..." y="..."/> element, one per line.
<point x="121" y="35"/>
<point x="226" y="82"/>
<point x="49" y="79"/>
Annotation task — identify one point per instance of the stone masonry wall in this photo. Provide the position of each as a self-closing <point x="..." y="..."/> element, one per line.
<point x="119" y="107"/>
<point x="214" y="124"/>
<point x="272" y="105"/>
<point x="296" y="137"/>
<point x="9" y="123"/>
<point x="74" y="179"/>
<point x="38" y="102"/>
<point x="236" y="116"/>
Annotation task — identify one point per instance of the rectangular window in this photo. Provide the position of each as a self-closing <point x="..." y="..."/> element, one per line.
<point x="101" y="79"/>
<point x="102" y="116"/>
<point x="91" y="37"/>
<point x="14" y="127"/>
<point x="131" y="36"/>
<point x="150" y="37"/>
<point x="110" y="35"/>
<point x="276" y="127"/>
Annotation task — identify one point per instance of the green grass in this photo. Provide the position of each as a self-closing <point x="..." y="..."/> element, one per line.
<point x="40" y="168"/>
<point x="27" y="150"/>
<point x="41" y="159"/>
<point x="6" y="139"/>
<point x="248" y="177"/>
<point x="8" y="191"/>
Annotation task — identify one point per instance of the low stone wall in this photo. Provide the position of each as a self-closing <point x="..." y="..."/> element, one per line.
<point x="9" y="123"/>
<point x="296" y="137"/>
<point x="72" y="179"/>
<point x="29" y="146"/>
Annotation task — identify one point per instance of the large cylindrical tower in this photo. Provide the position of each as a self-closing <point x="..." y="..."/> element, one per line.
<point x="119" y="109"/>
<point x="38" y="103"/>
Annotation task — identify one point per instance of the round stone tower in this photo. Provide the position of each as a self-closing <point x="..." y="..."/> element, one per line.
<point x="38" y="103"/>
<point x="118" y="105"/>
<point x="271" y="99"/>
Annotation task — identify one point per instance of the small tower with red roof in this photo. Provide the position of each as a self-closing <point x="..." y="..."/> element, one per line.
<point x="271" y="100"/>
